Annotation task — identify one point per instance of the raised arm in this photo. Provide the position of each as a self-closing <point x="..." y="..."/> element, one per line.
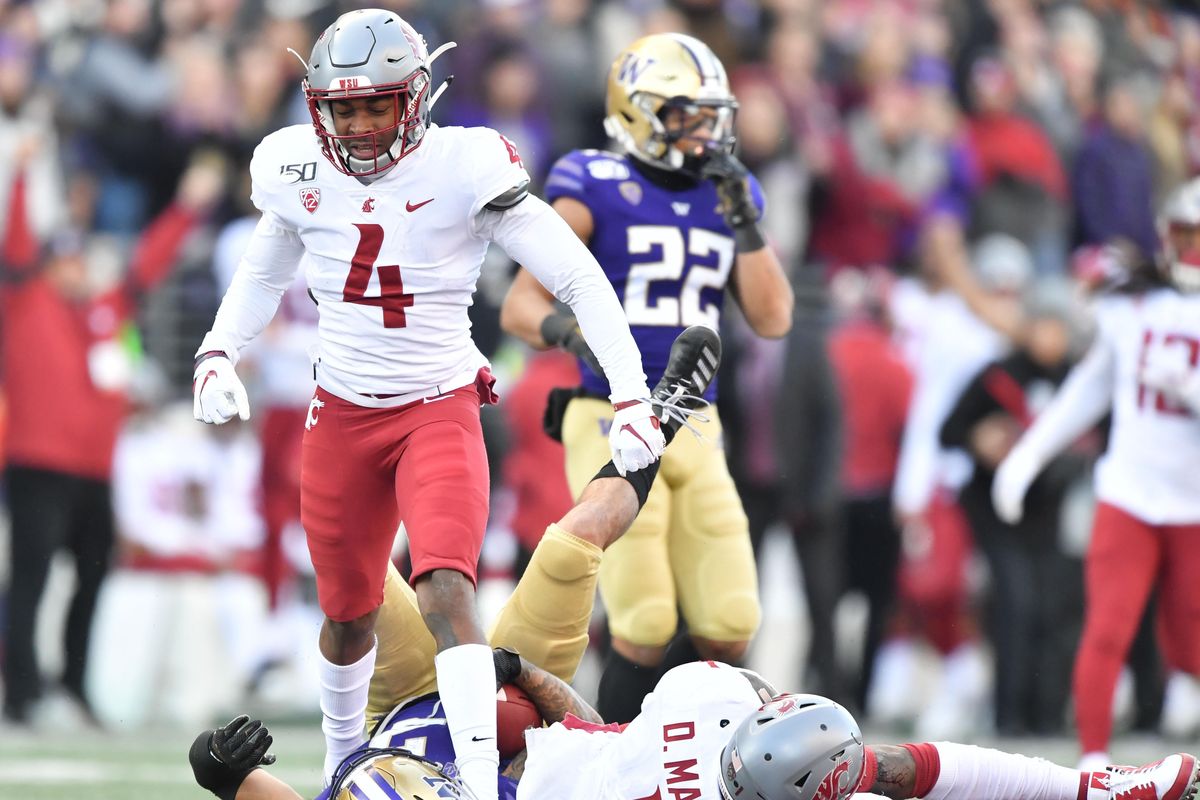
<point x="1082" y="401"/>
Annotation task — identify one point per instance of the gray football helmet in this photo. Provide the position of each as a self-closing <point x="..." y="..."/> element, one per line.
<point x="366" y="53"/>
<point x="1179" y="230"/>
<point x="796" y="747"/>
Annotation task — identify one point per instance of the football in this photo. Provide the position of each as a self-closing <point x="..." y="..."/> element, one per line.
<point x="514" y="713"/>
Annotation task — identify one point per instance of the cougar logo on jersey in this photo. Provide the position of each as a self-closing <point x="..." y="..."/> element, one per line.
<point x="310" y="198"/>
<point x="368" y="205"/>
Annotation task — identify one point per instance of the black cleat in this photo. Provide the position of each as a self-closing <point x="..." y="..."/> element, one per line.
<point x="691" y="369"/>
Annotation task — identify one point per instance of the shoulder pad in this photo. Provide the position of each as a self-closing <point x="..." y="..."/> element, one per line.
<point x="509" y="198"/>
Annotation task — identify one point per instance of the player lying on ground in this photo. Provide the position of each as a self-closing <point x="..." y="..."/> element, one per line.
<point x="794" y="747"/>
<point x="707" y="731"/>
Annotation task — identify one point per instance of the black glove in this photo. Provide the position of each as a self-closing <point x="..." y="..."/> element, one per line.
<point x="222" y="758"/>
<point x="732" y="180"/>
<point x="508" y="665"/>
<point x="561" y="330"/>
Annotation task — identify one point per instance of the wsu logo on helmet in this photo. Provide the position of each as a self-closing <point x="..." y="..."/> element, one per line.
<point x="836" y="782"/>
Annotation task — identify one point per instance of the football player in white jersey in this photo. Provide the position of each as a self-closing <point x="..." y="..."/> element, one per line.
<point x="393" y="216"/>
<point x="1144" y="367"/>
<point x="708" y="731"/>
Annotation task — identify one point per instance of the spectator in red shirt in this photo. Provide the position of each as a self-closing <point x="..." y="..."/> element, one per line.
<point x="875" y="386"/>
<point x="66" y="365"/>
<point x="1023" y="189"/>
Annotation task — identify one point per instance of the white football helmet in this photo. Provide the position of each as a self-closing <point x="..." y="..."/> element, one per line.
<point x="796" y="747"/>
<point x="363" y="54"/>
<point x="1179" y="230"/>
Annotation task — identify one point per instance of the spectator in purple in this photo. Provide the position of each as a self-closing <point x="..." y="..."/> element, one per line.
<point x="1113" y="180"/>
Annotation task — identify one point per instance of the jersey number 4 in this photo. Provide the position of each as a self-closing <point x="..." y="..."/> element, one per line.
<point x="686" y="309"/>
<point x="391" y="298"/>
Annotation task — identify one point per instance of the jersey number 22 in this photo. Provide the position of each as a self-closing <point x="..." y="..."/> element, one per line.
<point x="687" y="309"/>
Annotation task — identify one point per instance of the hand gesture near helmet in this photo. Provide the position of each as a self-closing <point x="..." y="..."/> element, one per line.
<point x="732" y="181"/>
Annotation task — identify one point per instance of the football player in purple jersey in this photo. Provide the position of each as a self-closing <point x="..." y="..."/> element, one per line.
<point x="673" y="219"/>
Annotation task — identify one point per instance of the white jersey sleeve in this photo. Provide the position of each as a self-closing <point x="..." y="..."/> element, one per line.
<point x="534" y="235"/>
<point x="265" y="271"/>
<point x="496" y="166"/>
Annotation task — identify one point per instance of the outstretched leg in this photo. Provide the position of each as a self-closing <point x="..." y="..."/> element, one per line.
<point x="947" y="770"/>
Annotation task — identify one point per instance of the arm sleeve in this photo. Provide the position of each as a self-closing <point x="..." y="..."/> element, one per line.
<point x="971" y="406"/>
<point x="264" y="274"/>
<point x="1083" y="400"/>
<point x="535" y="236"/>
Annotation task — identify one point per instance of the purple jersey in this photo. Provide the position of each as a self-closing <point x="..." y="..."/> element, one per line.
<point x="667" y="252"/>
<point x="420" y="728"/>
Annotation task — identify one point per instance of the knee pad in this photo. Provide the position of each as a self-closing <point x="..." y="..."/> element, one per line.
<point x="647" y="621"/>
<point x="546" y="619"/>
<point x="564" y="557"/>
<point x="736" y="619"/>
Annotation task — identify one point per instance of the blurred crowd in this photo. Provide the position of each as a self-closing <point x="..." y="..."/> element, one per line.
<point x="947" y="182"/>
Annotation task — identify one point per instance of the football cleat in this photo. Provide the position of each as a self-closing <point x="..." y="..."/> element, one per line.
<point x="691" y="369"/>
<point x="1171" y="778"/>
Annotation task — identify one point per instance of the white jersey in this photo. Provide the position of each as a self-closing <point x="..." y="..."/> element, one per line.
<point x="1152" y="466"/>
<point x="671" y="750"/>
<point x="393" y="264"/>
<point x="396" y="321"/>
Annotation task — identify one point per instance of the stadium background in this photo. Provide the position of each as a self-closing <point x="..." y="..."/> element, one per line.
<point x="1047" y="131"/>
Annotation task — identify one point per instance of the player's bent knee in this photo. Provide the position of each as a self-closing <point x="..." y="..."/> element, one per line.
<point x="564" y="557"/>
<point x="735" y="619"/>
<point x="649" y="623"/>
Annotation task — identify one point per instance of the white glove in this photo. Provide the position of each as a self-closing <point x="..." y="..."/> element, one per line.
<point x="1011" y="482"/>
<point x="217" y="393"/>
<point x="1167" y="371"/>
<point x="635" y="437"/>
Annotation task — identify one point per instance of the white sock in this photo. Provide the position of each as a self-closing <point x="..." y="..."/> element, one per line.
<point x="466" y="680"/>
<point x="981" y="773"/>
<point x="344" y="707"/>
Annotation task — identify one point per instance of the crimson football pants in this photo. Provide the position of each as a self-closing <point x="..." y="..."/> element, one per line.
<point x="1126" y="560"/>
<point x="366" y="469"/>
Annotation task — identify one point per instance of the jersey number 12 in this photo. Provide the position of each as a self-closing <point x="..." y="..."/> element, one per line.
<point x="391" y="298"/>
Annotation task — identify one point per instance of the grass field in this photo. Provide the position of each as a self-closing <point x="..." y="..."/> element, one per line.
<point x="152" y="765"/>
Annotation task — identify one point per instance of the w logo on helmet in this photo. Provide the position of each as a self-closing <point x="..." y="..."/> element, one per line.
<point x="632" y="68"/>
<point x="836" y="783"/>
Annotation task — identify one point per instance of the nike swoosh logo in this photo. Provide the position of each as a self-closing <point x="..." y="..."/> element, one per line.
<point x="481" y="738"/>
<point x="411" y="206"/>
<point x="435" y="399"/>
